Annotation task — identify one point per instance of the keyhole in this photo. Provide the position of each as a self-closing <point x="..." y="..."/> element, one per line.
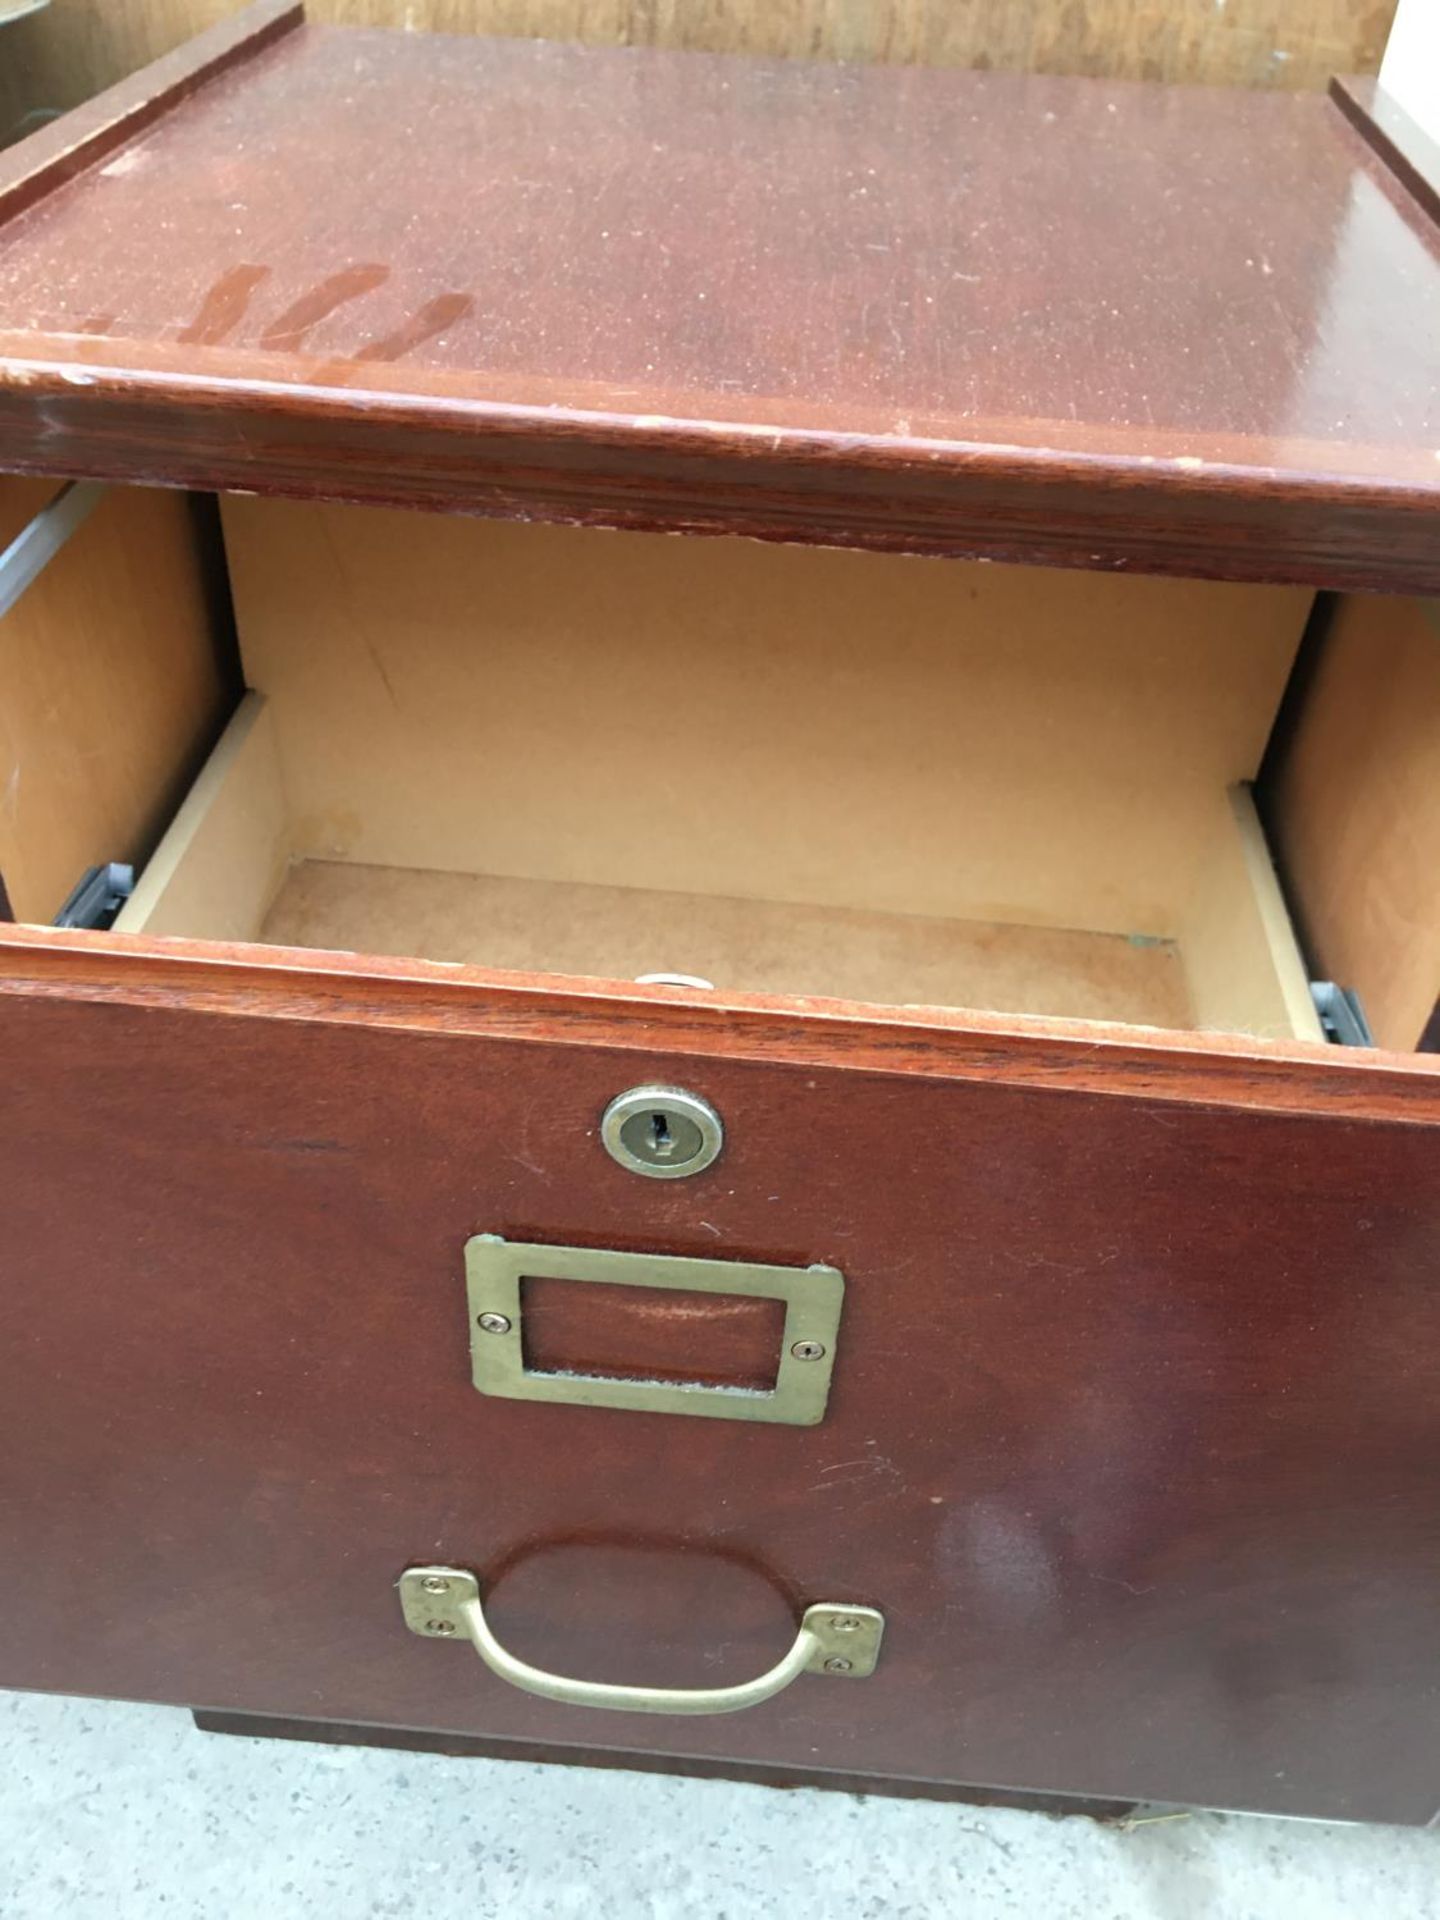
<point x="662" y="1131"/>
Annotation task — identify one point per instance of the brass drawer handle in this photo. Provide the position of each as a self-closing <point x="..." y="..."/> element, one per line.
<point x="841" y="1642"/>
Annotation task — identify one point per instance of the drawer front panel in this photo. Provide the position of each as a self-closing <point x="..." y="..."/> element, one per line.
<point x="1131" y="1435"/>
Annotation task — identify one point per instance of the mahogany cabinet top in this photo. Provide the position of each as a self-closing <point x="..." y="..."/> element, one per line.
<point x="1068" y="321"/>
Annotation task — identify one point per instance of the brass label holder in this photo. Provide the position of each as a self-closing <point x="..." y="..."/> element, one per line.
<point x="495" y="1269"/>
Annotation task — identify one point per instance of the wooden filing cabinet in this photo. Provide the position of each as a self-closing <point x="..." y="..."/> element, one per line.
<point x="1032" y="1341"/>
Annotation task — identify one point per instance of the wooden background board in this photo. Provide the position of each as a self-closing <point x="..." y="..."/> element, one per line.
<point x="75" y="47"/>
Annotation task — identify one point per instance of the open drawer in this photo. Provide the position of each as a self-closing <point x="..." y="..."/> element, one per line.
<point x="1046" y="1288"/>
<point x="779" y="771"/>
<point x="1135" y="1360"/>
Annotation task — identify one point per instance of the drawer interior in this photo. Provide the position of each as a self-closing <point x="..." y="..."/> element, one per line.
<point x="776" y="769"/>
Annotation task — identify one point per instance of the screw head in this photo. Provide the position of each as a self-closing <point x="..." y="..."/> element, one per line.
<point x="807" y="1350"/>
<point x="839" y="1666"/>
<point x="434" y="1583"/>
<point x="493" y="1323"/>
<point x="845" y="1623"/>
<point x="448" y="1626"/>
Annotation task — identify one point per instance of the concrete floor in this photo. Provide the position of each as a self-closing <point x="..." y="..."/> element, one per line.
<point x="124" y="1812"/>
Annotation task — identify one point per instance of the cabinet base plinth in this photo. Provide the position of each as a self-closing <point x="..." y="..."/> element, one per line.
<point x="468" y="1746"/>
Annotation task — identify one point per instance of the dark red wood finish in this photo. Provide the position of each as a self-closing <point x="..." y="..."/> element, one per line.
<point x="1409" y="152"/>
<point x="91" y="133"/>
<point x="640" y="1333"/>
<point x="420" y="997"/>
<point x="1132" y="1435"/>
<point x="457" y="1746"/>
<point x="1071" y="321"/>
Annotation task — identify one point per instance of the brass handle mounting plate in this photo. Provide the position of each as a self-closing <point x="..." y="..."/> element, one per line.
<point x="835" y="1639"/>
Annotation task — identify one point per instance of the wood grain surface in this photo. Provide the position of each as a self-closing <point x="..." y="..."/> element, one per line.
<point x="432" y="997"/>
<point x="1132" y="1434"/>
<point x="1353" y="806"/>
<point x="78" y="47"/>
<point x="58" y="151"/>
<point x="331" y="1733"/>
<point x="648" y="1333"/>
<point x="1079" y="322"/>
<point x="114" y="684"/>
<point x="774" y="723"/>
<point x="1406" y="148"/>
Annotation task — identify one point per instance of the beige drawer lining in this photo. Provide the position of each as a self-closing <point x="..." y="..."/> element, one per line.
<point x="719" y="716"/>
<point x="230" y="870"/>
